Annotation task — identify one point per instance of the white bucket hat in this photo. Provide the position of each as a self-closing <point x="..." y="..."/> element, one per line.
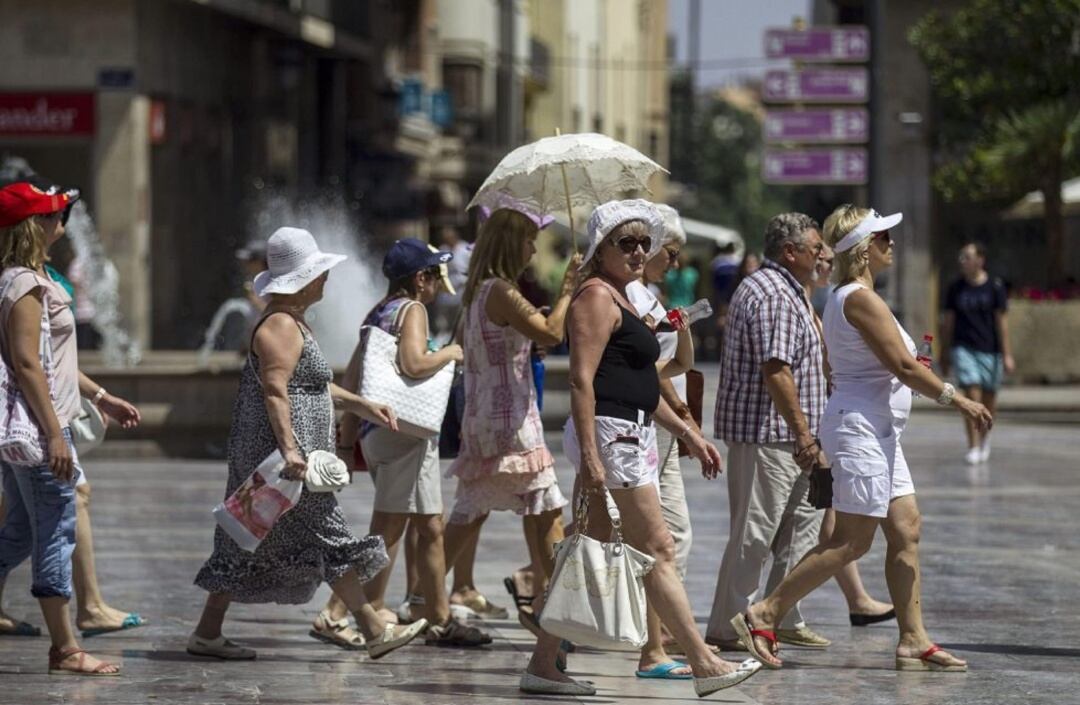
<point x="608" y="216"/>
<point x="673" y="227"/>
<point x="873" y="223"/>
<point x="294" y="260"/>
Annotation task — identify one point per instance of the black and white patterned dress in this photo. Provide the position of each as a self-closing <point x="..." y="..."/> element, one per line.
<point x="311" y="543"/>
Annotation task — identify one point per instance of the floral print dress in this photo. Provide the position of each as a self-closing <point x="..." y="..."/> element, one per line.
<point x="310" y="544"/>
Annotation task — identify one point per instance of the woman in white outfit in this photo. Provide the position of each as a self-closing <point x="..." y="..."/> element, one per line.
<point x="873" y="372"/>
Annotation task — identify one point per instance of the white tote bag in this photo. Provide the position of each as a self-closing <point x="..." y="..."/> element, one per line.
<point x="420" y="404"/>
<point x="596" y="596"/>
<point x="22" y="441"/>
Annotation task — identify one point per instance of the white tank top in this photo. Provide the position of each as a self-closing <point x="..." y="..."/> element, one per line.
<point x="859" y="379"/>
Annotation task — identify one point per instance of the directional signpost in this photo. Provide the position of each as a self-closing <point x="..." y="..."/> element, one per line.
<point x="818" y="126"/>
<point x="816" y="85"/>
<point x="836" y="165"/>
<point x="832" y="44"/>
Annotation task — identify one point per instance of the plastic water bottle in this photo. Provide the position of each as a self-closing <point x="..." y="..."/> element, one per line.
<point x="924" y="355"/>
<point x="685" y="317"/>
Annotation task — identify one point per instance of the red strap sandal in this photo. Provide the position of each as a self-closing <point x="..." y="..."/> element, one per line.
<point x="56" y="656"/>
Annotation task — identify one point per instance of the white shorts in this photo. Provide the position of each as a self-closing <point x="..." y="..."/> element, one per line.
<point x="627" y="451"/>
<point x="868" y="465"/>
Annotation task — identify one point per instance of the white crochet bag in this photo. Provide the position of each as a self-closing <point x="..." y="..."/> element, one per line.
<point x="420" y="404"/>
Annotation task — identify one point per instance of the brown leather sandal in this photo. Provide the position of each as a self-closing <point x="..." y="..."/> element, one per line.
<point x="56" y="656"/>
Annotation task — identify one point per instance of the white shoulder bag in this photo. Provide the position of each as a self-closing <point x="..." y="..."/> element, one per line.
<point x="596" y="596"/>
<point x="22" y="440"/>
<point x="420" y="404"/>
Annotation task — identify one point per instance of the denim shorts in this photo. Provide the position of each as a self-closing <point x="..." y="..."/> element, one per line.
<point x="977" y="369"/>
<point x="39" y="525"/>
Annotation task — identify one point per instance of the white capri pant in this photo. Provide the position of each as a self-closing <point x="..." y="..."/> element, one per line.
<point x="868" y="465"/>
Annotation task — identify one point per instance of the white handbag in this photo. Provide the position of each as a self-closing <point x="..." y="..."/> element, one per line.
<point x="596" y="596"/>
<point x="22" y="440"/>
<point x="419" y="404"/>
<point x="88" y="428"/>
<point x="325" y="472"/>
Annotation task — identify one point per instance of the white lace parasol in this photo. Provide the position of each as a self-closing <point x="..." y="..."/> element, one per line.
<point x="595" y="167"/>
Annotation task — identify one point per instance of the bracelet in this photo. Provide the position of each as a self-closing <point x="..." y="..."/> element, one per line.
<point x="685" y="430"/>
<point x="948" y="393"/>
<point x="98" y="395"/>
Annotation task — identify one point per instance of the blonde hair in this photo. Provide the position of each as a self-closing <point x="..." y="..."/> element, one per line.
<point x="499" y="251"/>
<point x="635" y="228"/>
<point x="850" y="263"/>
<point x="23" y="245"/>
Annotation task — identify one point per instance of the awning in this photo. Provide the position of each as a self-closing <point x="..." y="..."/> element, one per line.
<point x="710" y="231"/>
<point x="1031" y="205"/>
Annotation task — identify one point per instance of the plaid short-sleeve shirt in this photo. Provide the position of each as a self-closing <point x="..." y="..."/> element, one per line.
<point x="769" y="318"/>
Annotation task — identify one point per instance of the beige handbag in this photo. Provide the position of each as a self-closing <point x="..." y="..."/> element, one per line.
<point x="325" y="472"/>
<point x="596" y="596"/>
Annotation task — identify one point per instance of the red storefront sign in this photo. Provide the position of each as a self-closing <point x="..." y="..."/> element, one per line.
<point x="46" y="114"/>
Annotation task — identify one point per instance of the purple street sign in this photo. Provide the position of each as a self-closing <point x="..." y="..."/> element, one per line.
<point x="832" y="85"/>
<point x="839" y="165"/>
<point x="820" y="125"/>
<point x="846" y="43"/>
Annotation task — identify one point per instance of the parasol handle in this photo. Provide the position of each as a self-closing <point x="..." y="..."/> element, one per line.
<point x="569" y="208"/>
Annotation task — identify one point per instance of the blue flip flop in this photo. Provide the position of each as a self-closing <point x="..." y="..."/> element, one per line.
<point x="21" y="629"/>
<point x="663" y="671"/>
<point x="130" y="622"/>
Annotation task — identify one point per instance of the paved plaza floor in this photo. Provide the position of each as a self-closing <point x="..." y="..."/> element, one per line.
<point x="1000" y="557"/>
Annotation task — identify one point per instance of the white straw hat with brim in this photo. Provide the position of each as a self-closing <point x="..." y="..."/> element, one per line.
<point x="673" y="227"/>
<point x="873" y="223"/>
<point x="294" y="260"/>
<point x="608" y="216"/>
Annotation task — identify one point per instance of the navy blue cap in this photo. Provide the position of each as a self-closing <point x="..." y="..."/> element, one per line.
<point x="408" y="256"/>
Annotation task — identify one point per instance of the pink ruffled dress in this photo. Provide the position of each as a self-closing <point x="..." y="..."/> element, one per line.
<point x="504" y="463"/>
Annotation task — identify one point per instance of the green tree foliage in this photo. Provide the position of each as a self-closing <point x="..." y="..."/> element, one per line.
<point x="1006" y="74"/>
<point x="727" y="165"/>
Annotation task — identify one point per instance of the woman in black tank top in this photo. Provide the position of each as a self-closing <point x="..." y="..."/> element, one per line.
<point x="614" y="397"/>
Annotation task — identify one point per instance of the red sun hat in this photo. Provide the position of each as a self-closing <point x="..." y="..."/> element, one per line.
<point x="21" y="200"/>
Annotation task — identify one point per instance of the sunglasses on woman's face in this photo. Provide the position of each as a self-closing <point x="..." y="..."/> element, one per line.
<point x="630" y="244"/>
<point x="672" y="255"/>
<point x="884" y="236"/>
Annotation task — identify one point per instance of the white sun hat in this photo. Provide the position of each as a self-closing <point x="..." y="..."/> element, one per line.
<point x="873" y="223"/>
<point x="673" y="227"/>
<point x="608" y="216"/>
<point x="294" y="260"/>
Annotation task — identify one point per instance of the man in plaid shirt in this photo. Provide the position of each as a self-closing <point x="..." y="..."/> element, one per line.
<point x="768" y="406"/>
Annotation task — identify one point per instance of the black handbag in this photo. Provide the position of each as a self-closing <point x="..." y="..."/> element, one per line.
<point x="450" y="433"/>
<point x="820" y="493"/>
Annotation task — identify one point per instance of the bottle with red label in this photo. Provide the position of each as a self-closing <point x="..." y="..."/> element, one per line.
<point x="924" y="355"/>
<point x="679" y="318"/>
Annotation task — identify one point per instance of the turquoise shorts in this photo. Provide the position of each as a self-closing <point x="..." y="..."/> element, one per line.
<point x="977" y="369"/>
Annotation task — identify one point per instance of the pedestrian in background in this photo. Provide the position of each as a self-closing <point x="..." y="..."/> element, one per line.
<point x="286" y="402"/>
<point x="676" y="358"/>
<point x="504" y="464"/>
<point x="874" y="370"/>
<point x="863" y="610"/>
<point x="614" y="398"/>
<point x="976" y="344"/>
<point x="41" y="515"/>
<point x="404" y="468"/>
<point x="769" y="400"/>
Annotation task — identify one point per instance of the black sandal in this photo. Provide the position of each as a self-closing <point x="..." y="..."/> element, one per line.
<point x="519" y="600"/>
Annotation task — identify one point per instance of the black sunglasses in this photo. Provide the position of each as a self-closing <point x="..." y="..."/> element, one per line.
<point x="884" y="235"/>
<point x="630" y="244"/>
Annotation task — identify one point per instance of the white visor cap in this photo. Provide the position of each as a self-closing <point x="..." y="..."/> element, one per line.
<point x="873" y="223"/>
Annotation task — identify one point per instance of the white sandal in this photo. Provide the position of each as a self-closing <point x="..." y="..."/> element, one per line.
<point x="381" y="646"/>
<point x="337" y="633"/>
<point x="220" y="648"/>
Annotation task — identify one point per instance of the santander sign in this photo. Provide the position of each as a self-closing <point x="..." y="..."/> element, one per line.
<point x="44" y="114"/>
